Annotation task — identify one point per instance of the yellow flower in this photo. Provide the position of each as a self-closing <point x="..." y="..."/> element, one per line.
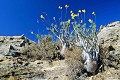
<point x="68" y="21"/>
<point x="84" y="11"/>
<point x="90" y="21"/>
<point x="66" y="6"/>
<point x="42" y="17"/>
<point x="79" y="11"/>
<point x="73" y="15"/>
<point x="71" y="11"/>
<point x="60" y="7"/>
<point x="93" y="13"/>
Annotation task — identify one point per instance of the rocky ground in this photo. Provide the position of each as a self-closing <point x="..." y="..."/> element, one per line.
<point x="23" y="59"/>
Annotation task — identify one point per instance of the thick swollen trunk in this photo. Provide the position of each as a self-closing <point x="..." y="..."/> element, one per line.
<point x="90" y="64"/>
<point x="90" y="56"/>
<point x="63" y="49"/>
<point x="85" y="55"/>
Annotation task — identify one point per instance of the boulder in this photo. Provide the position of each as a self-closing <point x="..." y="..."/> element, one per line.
<point x="109" y="38"/>
<point x="12" y="45"/>
<point x="4" y="49"/>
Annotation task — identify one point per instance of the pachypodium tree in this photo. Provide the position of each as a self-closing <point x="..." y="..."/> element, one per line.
<point x="63" y="34"/>
<point x="62" y="30"/>
<point x="86" y="38"/>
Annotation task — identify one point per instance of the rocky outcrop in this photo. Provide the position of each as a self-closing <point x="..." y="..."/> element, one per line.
<point x="23" y="59"/>
<point x="36" y="70"/>
<point x="12" y="45"/>
<point x="109" y="38"/>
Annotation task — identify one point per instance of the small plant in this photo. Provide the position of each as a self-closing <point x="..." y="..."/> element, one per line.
<point x="43" y="40"/>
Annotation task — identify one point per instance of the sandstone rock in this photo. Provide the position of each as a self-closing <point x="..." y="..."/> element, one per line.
<point x="109" y="38"/>
<point x="12" y="45"/>
<point x="1" y="56"/>
<point x="4" y="49"/>
<point x="2" y="39"/>
<point x="116" y="23"/>
<point x="110" y="74"/>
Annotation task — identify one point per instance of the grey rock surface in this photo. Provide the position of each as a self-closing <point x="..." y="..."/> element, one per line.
<point x="109" y="38"/>
<point x="12" y="45"/>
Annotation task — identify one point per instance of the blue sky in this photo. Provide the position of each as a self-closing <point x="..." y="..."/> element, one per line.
<point x="20" y="16"/>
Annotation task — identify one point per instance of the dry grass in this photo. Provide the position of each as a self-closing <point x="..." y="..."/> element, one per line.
<point x="74" y="60"/>
<point x="46" y="52"/>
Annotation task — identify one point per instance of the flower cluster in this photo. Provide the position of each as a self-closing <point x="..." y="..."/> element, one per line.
<point x="73" y="15"/>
